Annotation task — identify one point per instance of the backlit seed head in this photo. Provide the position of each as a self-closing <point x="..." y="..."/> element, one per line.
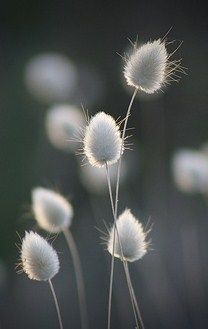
<point x="51" y="210"/>
<point x="38" y="258"/>
<point x="102" y="140"/>
<point x="149" y="67"/>
<point x="132" y="238"/>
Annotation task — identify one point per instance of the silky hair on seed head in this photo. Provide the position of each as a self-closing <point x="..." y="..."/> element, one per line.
<point x="149" y="67"/>
<point x="102" y="140"/>
<point x="39" y="259"/>
<point x="51" y="210"/>
<point x="132" y="238"/>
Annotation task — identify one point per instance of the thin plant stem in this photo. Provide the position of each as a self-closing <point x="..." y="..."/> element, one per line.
<point x="56" y="304"/>
<point x="79" y="278"/>
<point x="121" y="151"/>
<point x="131" y="294"/>
<point x="115" y="231"/>
<point x="134" y="296"/>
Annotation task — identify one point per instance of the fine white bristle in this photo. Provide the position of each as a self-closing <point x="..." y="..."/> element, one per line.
<point x="39" y="260"/>
<point x="149" y="67"/>
<point x="132" y="238"/>
<point x="51" y="210"/>
<point x="63" y="123"/>
<point x="190" y="171"/>
<point x="102" y="140"/>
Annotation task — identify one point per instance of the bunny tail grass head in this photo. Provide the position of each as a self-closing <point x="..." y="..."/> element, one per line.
<point x="102" y="140"/>
<point x="38" y="258"/>
<point x="51" y="210"/>
<point x="132" y="238"/>
<point x="149" y="67"/>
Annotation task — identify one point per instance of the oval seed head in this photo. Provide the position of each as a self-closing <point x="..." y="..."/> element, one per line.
<point x="190" y="171"/>
<point x="39" y="260"/>
<point x="51" y="210"/>
<point x="148" y="68"/>
<point x="51" y="77"/>
<point x="62" y="125"/>
<point x="132" y="238"/>
<point x="102" y="140"/>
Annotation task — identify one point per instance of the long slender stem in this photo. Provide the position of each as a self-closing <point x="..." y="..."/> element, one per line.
<point x="130" y="287"/>
<point x="121" y="151"/>
<point x="79" y="277"/>
<point x="115" y="231"/>
<point x="56" y="304"/>
<point x="134" y="296"/>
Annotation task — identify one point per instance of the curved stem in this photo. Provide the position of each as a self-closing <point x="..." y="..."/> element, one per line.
<point x="56" y="304"/>
<point x="79" y="277"/>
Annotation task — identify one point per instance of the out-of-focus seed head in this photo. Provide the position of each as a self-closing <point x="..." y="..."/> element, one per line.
<point x="51" y="210"/>
<point x="102" y="140"/>
<point x="132" y="238"/>
<point x="63" y="123"/>
<point x="50" y="77"/>
<point x="38" y="258"/>
<point x="190" y="171"/>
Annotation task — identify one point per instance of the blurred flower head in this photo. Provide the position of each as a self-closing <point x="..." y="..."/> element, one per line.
<point x="63" y="124"/>
<point x="50" y="77"/>
<point x="51" y="210"/>
<point x="190" y="171"/>
<point x="94" y="178"/>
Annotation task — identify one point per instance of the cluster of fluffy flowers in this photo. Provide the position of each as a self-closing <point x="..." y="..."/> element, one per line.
<point x="148" y="68"/>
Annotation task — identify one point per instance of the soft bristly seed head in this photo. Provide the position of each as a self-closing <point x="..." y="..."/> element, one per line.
<point x="190" y="171"/>
<point x="51" y="210"/>
<point x="132" y="238"/>
<point x="38" y="258"/>
<point x="102" y="140"/>
<point x="149" y="67"/>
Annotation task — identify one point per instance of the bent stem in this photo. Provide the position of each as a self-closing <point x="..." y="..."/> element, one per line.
<point x="56" y="304"/>
<point x="79" y="277"/>
<point x="115" y="231"/>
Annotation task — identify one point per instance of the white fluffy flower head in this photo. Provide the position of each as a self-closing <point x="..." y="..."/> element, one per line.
<point x="132" y="238"/>
<point x="149" y="67"/>
<point x="51" y="210"/>
<point x="102" y="140"/>
<point x="62" y="125"/>
<point x="190" y="171"/>
<point x="38" y="258"/>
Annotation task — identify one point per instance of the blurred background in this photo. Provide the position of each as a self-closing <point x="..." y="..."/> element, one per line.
<point x="65" y="52"/>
